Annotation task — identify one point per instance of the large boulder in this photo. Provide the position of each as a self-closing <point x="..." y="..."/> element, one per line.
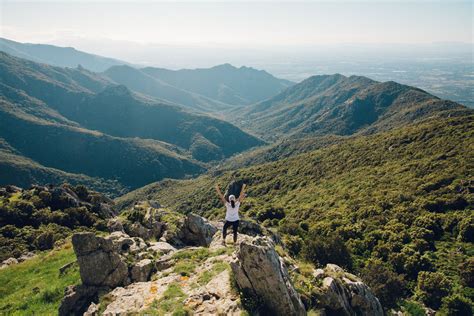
<point x="141" y="271"/>
<point x="343" y="293"/>
<point x="197" y="231"/>
<point x="77" y="299"/>
<point x="260" y="272"/>
<point x="104" y="263"/>
<point x="99" y="262"/>
<point x="234" y="189"/>
<point x="150" y="226"/>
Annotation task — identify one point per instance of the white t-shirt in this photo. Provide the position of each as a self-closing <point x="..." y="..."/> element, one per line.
<point x="232" y="213"/>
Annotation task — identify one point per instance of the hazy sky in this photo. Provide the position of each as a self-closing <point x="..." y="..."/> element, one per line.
<point x="239" y="23"/>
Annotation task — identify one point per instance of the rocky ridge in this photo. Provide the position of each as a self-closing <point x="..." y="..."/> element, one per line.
<point x="187" y="269"/>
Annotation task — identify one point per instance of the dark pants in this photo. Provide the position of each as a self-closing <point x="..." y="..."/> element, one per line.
<point x="235" y="226"/>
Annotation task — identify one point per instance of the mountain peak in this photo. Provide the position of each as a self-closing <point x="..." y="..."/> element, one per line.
<point x="225" y="66"/>
<point x="116" y="91"/>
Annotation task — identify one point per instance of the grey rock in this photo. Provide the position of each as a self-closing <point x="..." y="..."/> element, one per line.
<point x="27" y="256"/>
<point x="141" y="271"/>
<point x="197" y="231"/>
<point x="77" y="299"/>
<point x="345" y="294"/>
<point x="234" y="188"/>
<point x="150" y="227"/>
<point x="162" y="247"/>
<point x="9" y="261"/>
<point x="66" y="267"/>
<point x="93" y="310"/>
<point x="114" y="225"/>
<point x="99" y="263"/>
<point x="260" y="272"/>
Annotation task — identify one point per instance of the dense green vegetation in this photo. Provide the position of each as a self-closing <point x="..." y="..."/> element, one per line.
<point x="39" y="218"/>
<point x="335" y="104"/>
<point x="35" y="287"/>
<point x="394" y="204"/>
<point x="73" y="124"/>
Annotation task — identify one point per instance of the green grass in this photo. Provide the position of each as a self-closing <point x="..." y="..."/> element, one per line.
<point x="413" y="308"/>
<point x="170" y="302"/>
<point x="208" y="275"/>
<point x="35" y="286"/>
<point x="188" y="259"/>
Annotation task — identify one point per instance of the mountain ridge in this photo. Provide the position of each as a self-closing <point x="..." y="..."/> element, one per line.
<point x="335" y="104"/>
<point x="57" y="56"/>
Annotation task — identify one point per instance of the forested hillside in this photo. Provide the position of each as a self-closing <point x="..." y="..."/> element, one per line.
<point x="65" y="124"/>
<point x="335" y="104"/>
<point x="396" y="207"/>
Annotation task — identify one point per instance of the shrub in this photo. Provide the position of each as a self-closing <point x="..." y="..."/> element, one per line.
<point x="432" y="287"/>
<point x="387" y="285"/>
<point x="456" y="305"/>
<point x="466" y="229"/>
<point x="430" y="222"/>
<point x="466" y="272"/>
<point x="270" y="212"/>
<point x="324" y="250"/>
<point x="293" y="244"/>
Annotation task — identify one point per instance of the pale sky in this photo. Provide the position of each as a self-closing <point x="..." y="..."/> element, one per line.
<point x="238" y="23"/>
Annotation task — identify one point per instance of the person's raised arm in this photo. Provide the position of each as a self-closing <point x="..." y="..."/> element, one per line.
<point x="242" y="193"/>
<point x="219" y="193"/>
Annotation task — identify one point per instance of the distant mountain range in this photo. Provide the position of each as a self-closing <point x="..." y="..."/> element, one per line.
<point x="79" y="122"/>
<point x="335" y="104"/>
<point x="204" y="90"/>
<point x="225" y="83"/>
<point x="125" y="127"/>
<point x="57" y="56"/>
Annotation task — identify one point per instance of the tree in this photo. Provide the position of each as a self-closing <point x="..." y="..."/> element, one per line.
<point x="324" y="250"/>
<point x="456" y="304"/>
<point x="466" y="229"/>
<point x="387" y="285"/>
<point x="466" y="272"/>
<point x="432" y="287"/>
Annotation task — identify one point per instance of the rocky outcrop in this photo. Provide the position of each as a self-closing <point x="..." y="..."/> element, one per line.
<point x="11" y="261"/>
<point x="104" y="264"/>
<point x="131" y="276"/>
<point x="215" y="298"/>
<point x="234" y="189"/>
<point x="77" y="299"/>
<point x="150" y="226"/>
<point x="343" y="293"/>
<point x="141" y="271"/>
<point x="197" y="231"/>
<point x="105" y="261"/>
<point x="261" y="273"/>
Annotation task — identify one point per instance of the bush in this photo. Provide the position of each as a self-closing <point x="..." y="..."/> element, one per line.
<point x="456" y="305"/>
<point x="270" y="212"/>
<point x="466" y="229"/>
<point x="45" y="241"/>
<point x="432" y="287"/>
<point x="324" y="250"/>
<point x="466" y="272"/>
<point x="387" y="285"/>
<point x="293" y="244"/>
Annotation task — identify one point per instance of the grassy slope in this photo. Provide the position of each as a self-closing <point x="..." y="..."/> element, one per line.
<point x="35" y="286"/>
